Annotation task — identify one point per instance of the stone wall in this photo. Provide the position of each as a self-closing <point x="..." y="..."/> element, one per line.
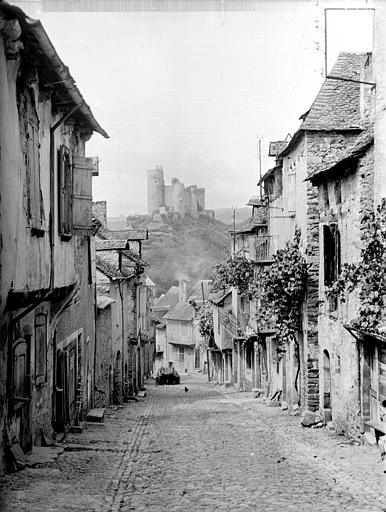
<point x="357" y="190"/>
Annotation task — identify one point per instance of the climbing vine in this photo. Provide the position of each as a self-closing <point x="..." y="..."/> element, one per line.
<point x="236" y="271"/>
<point x="368" y="275"/>
<point x="204" y="317"/>
<point x="280" y="290"/>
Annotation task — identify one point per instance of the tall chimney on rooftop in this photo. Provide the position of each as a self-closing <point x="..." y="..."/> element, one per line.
<point x="182" y="284"/>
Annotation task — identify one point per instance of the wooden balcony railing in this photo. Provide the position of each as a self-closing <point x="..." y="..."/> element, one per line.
<point x="265" y="247"/>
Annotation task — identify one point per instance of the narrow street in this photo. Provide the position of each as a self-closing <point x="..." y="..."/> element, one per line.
<point x="206" y="449"/>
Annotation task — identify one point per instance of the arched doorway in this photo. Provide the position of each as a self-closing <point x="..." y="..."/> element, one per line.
<point x="326" y="380"/>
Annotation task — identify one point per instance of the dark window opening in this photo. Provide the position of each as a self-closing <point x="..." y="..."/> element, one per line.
<point x="338" y="192"/>
<point x="40" y="348"/>
<point x="326" y="200"/>
<point x="332" y="256"/>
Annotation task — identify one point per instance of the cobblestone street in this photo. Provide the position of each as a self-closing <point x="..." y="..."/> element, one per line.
<point x="207" y="449"/>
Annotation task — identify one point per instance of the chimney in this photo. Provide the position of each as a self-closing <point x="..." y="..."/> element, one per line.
<point x="99" y="210"/>
<point x="182" y="284"/>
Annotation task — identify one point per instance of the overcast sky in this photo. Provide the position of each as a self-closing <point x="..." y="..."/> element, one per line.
<point x="192" y="91"/>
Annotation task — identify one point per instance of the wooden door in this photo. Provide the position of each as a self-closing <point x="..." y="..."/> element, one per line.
<point x="21" y="396"/>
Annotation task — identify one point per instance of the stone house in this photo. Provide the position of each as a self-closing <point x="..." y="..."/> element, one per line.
<point x="123" y="338"/>
<point x="334" y="120"/>
<point x="346" y="192"/>
<point x="236" y="359"/>
<point x="178" y="340"/>
<point x="47" y="282"/>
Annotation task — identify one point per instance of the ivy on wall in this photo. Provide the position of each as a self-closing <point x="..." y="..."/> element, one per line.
<point x="204" y="316"/>
<point x="368" y="275"/>
<point x="280" y="290"/>
<point x="236" y="271"/>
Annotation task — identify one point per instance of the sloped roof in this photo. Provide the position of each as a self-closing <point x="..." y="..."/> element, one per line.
<point x="250" y="224"/>
<point x="337" y="105"/>
<point x="255" y="201"/>
<point x="107" y="263"/>
<point x="149" y="282"/>
<point x="51" y="69"/>
<point x="167" y="300"/>
<point x="182" y="311"/>
<point x="195" y="293"/>
<point x="108" y="245"/>
<point x="127" y="234"/>
<point x="217" y="297"/>
<point x="352" y="151"/>
<point x="269" y="173"/>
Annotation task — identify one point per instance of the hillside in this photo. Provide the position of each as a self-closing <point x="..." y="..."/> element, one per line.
<point x="225" y="215"/>
<point x="182" y="249"/>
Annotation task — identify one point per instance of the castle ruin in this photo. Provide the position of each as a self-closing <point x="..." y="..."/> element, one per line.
<point x="173" y="200"/>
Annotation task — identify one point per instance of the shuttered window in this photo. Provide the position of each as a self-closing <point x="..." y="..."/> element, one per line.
<point x="40" y="348"/>
<point x="83" y="169"/>
<point x="75" y="192"/>
<point x="291" y="192"/>
<point x="20" y="369"/>
<point x="29" y="131"/>
<point x="65" y="191"/>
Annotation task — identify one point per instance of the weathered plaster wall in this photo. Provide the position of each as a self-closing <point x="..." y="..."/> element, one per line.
<point x="185" y="366"/>
<point x="104" y="355"/>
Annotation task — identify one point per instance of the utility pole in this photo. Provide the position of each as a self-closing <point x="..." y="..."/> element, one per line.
<point x="234" y="231"/>
<point x="260" y="175"/>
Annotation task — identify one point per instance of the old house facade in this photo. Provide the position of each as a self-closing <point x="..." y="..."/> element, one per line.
<point x="124" y="334"/>
<point x="47" y="282"/>
<point x="335" y="118"/>
<point x="179" y="343"/>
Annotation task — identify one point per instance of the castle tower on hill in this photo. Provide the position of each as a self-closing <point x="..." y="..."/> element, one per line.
<point x="173" y="200"/>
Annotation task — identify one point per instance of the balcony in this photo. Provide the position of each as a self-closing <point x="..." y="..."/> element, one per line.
<point x="265" y="248"/>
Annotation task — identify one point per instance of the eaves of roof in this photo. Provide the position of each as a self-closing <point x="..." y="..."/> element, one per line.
<point x="37" y="43"/>
<point x="217" y="297"/>
<point x="342" y="159"/>
<point x="268" y="174"/>
<point x="107" y="266"/>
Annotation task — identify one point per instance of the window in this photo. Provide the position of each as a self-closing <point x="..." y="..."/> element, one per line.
<point x="326" y="200"/>
<point x="291" y="192"/>
<point x="197" y="360"/>
<point x="75" y="192"/>
<point x="331" y="240"/>
<point x="338" y="192"/>
<point x="65" y="191"/>
<point x="29" y="129"/>
<point x="20" y="368"/>
<point x="181" y="353"/>
<point x="40" y="349"/>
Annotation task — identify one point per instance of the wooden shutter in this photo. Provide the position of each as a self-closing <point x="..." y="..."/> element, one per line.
<point x="65" y="191"/>
<point x="40" y="348"/>
<point x="291" y="192"/>
<point x="33" y="148"/>
<point x="20" y="369"/>
<point x="82" y="193"/>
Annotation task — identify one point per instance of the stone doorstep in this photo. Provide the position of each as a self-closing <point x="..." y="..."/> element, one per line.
<point x="42" y="455"/>
<point x="96" y="415"/>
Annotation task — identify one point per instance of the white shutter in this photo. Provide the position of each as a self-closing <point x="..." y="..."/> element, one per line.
<point x="82" y="193"/>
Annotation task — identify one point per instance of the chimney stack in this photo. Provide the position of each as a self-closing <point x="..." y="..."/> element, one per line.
<point x="182" y="284"/>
